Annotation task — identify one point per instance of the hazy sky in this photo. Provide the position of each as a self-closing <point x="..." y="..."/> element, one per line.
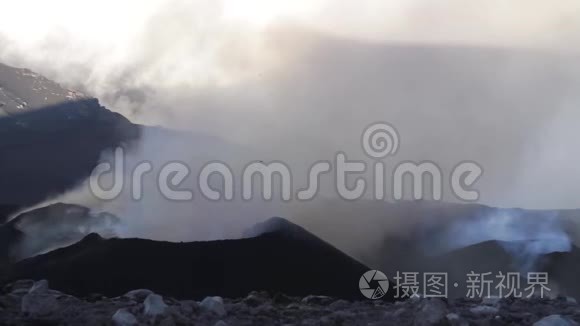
<point x="487" y="80"/>
<point x="206" y="41"/>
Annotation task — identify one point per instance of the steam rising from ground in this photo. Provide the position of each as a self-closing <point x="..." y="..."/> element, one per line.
<point x="491" y="81"/>
<point x="534" y="235"/>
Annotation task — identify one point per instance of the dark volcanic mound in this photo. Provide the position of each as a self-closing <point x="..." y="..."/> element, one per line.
<point x="285" y="259"/>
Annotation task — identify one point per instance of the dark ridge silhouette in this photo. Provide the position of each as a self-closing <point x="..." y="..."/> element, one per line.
<point x="47" y="151"/>
<point x="50" y="137"/>
<point x="46" y="228"/>
<point x="495" y="257"/>
<point x="492" y="257"/>
<point x="285" y="259"/>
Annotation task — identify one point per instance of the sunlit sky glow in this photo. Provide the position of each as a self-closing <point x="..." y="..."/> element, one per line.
<point x="490" y="21"/>
<point x="204" y="35"/>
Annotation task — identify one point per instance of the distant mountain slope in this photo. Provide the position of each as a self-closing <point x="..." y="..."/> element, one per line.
<point x="494" y="257"/>
<point x="50" y="137"/>
<point x="286" y="259"/>
<point x="22" y="90"/>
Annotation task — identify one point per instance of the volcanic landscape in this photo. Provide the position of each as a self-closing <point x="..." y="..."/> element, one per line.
<point x="65" y="263"/>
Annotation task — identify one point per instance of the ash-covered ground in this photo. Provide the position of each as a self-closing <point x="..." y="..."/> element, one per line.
<point x="26" y="302"/>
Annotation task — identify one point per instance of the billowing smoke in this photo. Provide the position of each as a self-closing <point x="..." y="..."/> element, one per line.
<point x="526" y="237"/>
<point x="297" y="81"/>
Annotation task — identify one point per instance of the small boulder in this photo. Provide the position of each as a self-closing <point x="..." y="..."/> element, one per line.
<point x="39" y="287"/>
<point x="484" y="310"/>
<point x="124" y="318"/>
<point x="456" y="320"/>
<point x="491" y="301"/>
<point x="39" y="304"/>
<point x="431" y="312"/>
<point x="254" y="300"/>
<point x="154" y="305"/>
<point x="214" y="305"/>
<point x="188" y="307"/>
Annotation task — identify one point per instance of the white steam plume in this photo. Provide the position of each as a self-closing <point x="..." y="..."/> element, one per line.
<point x="299" y="80"/>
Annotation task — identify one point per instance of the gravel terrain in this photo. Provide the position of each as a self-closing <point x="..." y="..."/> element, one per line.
<point x="34" y="303"/>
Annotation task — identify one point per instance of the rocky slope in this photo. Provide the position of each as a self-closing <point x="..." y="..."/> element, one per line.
<point x="33" y="303"/>
<point x="50" y="137"/>
<point x="22" y="90"/>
